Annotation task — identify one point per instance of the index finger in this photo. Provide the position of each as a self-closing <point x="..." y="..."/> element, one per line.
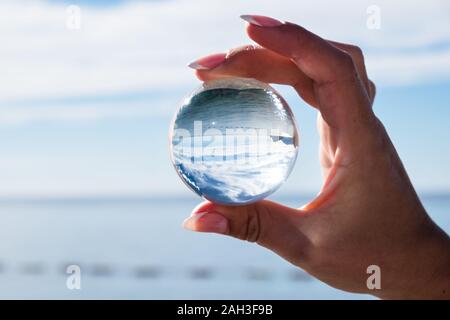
<point x="341" y="95"/>
<point x="263" y="65"/>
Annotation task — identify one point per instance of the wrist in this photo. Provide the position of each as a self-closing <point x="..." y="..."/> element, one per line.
<point x="437" y="277"/>
<point x="424" y="270"/>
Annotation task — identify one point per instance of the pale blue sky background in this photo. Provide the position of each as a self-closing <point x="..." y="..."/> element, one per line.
<point x="86" y="112"/>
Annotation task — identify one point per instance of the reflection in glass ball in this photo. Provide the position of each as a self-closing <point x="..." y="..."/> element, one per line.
<point x="234" y="141"/>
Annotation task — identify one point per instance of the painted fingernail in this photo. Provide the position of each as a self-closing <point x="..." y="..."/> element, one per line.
<point x="261" y="21"/>
<point x="207" y="222"/>
<point x="208" y="62"/>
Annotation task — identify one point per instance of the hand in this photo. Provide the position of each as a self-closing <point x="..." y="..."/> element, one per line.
<point x="367" y="212"/>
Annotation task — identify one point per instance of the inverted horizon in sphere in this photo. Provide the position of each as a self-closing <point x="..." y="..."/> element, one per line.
<point x="234" y="141"/>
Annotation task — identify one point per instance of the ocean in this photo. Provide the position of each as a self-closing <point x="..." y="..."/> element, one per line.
<point x="136" y="249"/>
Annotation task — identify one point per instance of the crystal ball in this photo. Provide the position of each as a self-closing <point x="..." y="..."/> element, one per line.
<point x="234" y="141"/>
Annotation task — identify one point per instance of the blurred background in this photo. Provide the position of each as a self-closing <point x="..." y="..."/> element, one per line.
<point x="87" y="91"/>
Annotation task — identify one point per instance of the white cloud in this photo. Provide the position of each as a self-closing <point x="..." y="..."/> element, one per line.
<point x="91" y="111"/>
<point x="411" y="68"/>
<point x="146" y="45"/>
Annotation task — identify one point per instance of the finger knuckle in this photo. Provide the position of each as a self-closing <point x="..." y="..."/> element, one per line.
<point x="372" y="90"/>
<point x="253" y="229"/>
<point x="346" y="63"/>
<point x="240" y="50"/>
<point x="356" y="52"/>
<point x="373" y="87"/>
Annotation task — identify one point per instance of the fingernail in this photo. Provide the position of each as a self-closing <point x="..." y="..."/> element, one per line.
<point x="207" y="222"/>
<point x="261" y="21"/>
<point x="208" y="62"/>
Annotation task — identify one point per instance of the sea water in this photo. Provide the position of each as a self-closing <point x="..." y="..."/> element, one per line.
<point x="144" y="253"/>
<point x="234" y="141"/>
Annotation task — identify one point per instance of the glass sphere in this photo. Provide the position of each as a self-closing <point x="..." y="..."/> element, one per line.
<point x="234" y="141"/>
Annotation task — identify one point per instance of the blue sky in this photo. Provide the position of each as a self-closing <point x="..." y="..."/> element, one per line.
<point x="86" y="112"/>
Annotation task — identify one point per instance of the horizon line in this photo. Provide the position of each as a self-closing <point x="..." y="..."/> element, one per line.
<point x="162" y="197"/>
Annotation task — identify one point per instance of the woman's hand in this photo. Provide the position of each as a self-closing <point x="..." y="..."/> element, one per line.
<point x="367" y="212"/>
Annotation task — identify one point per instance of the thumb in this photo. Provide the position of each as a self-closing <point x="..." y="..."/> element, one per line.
<point x="267" y="223"/>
